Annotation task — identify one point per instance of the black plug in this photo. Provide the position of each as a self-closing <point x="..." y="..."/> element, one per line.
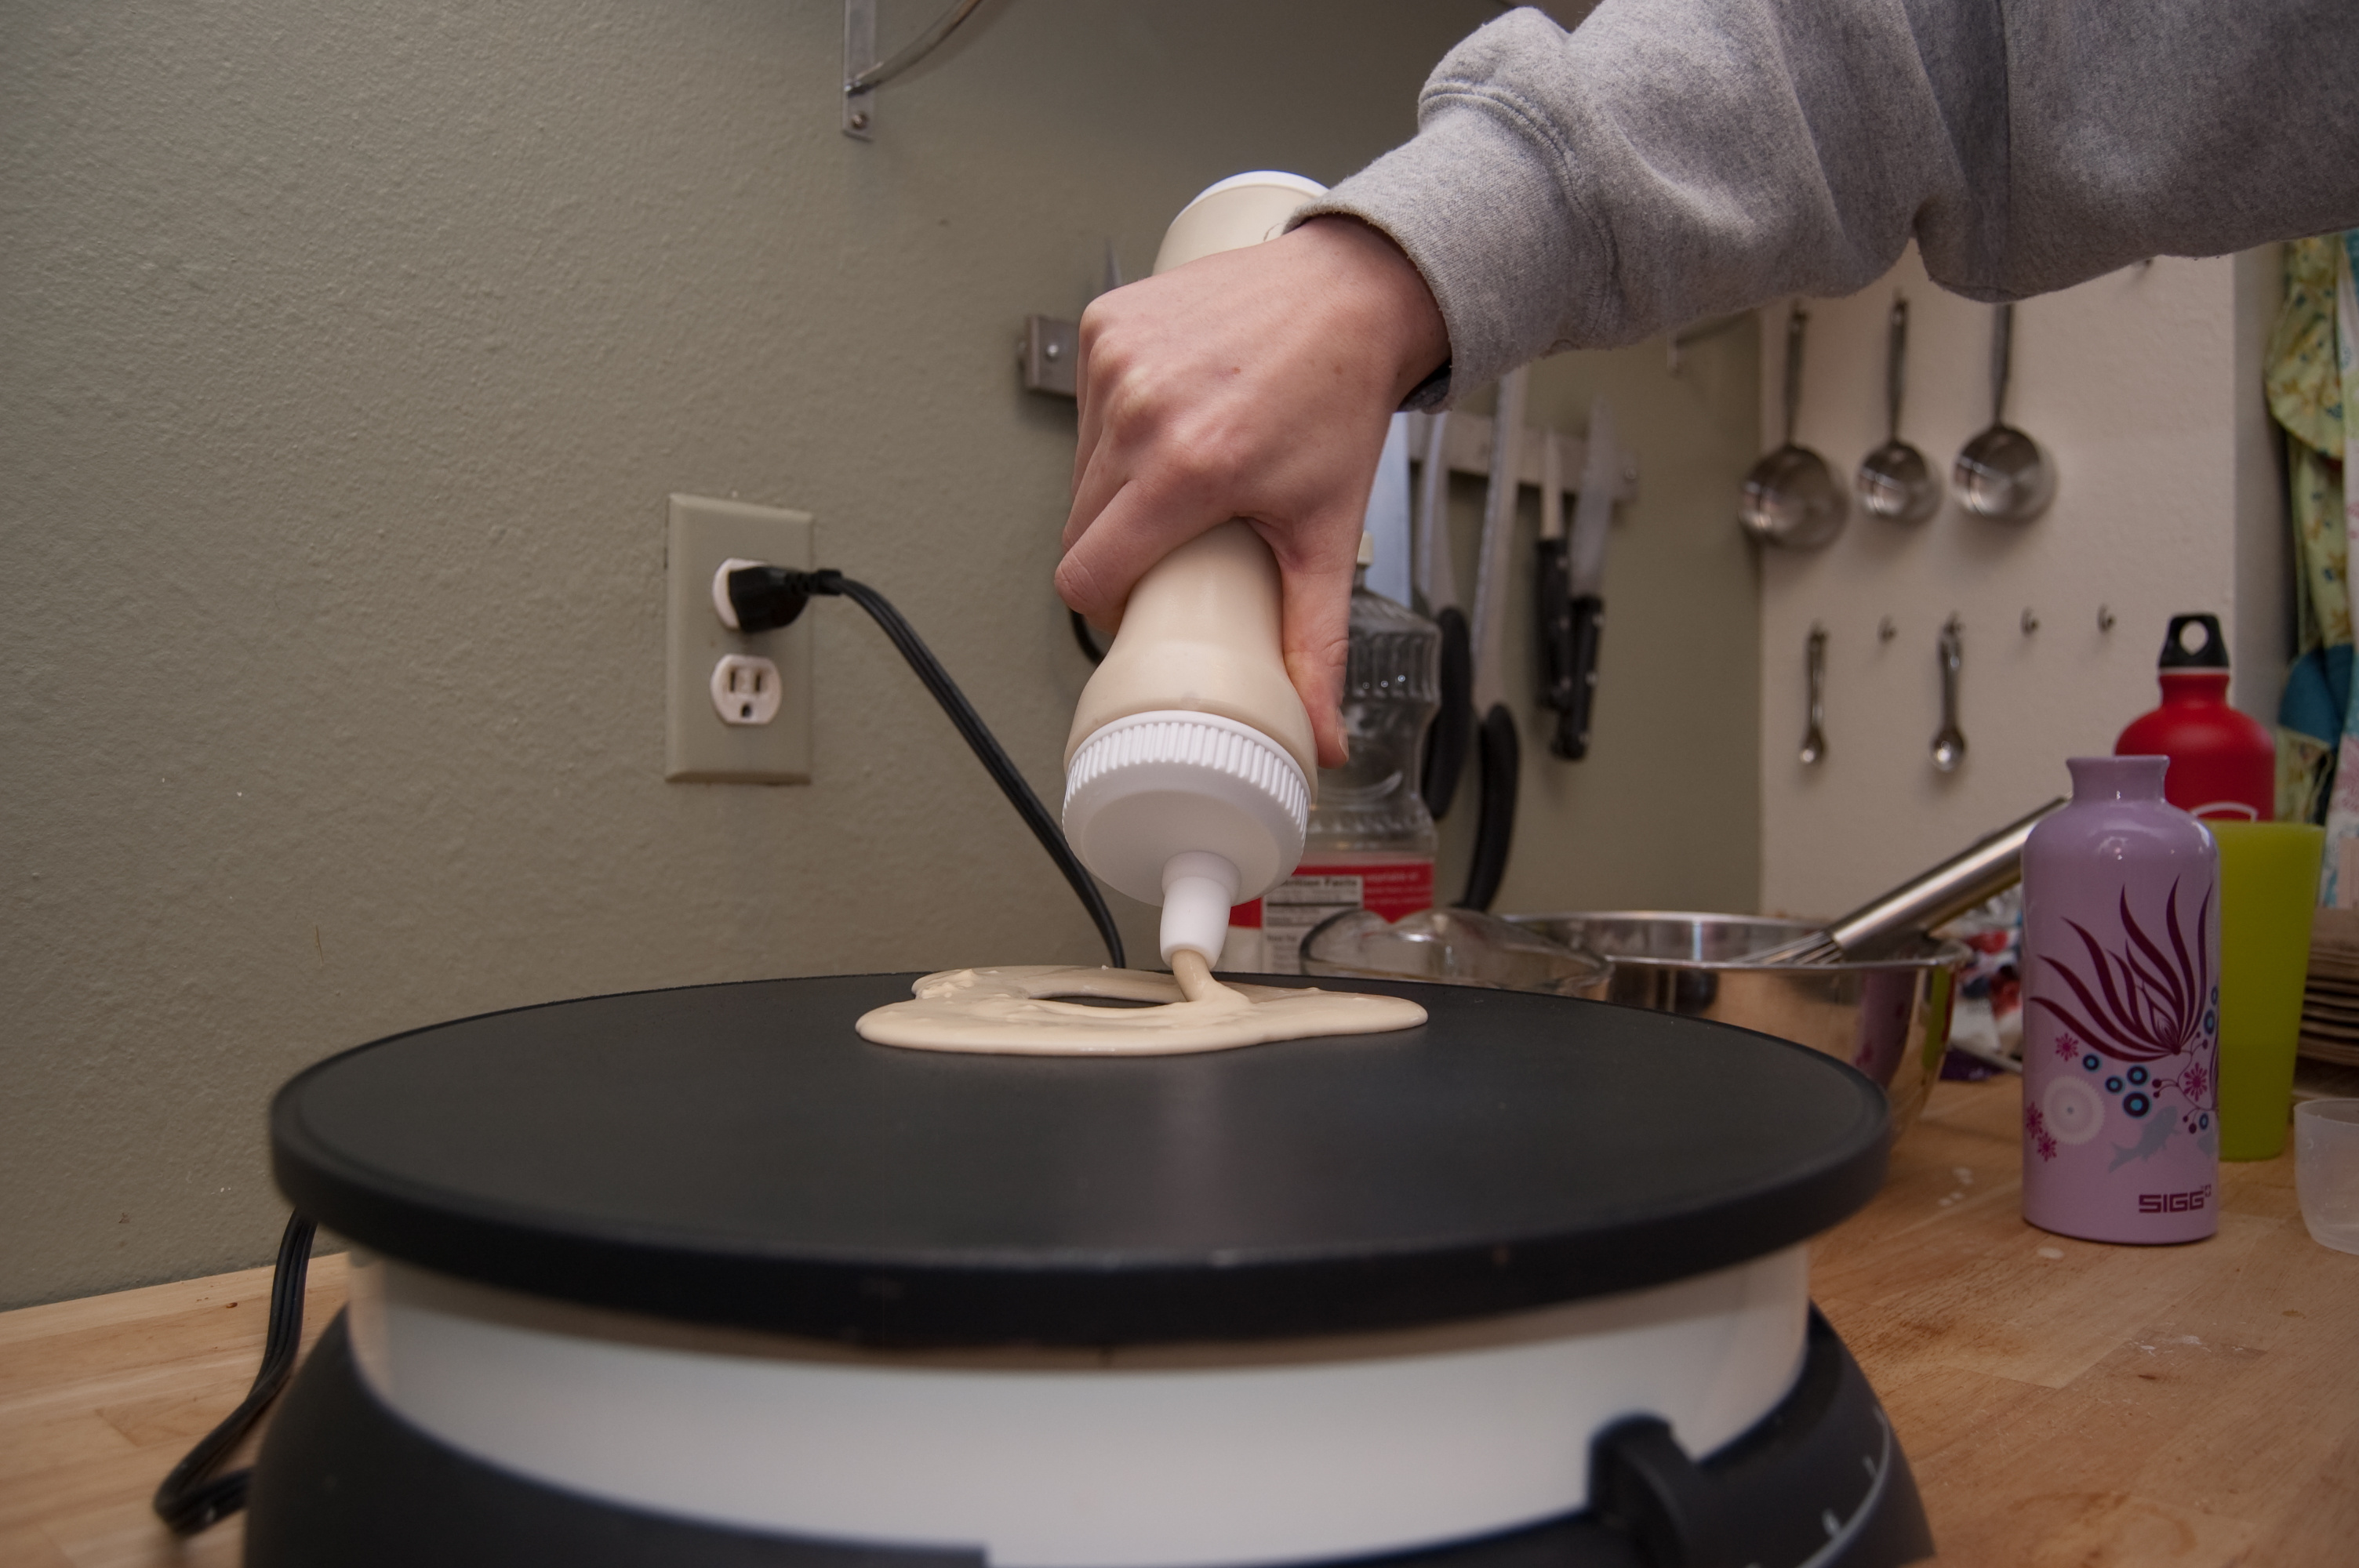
<point x="761" y="597"/>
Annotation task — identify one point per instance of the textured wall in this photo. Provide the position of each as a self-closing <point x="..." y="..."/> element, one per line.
<point x="350" y="354"/>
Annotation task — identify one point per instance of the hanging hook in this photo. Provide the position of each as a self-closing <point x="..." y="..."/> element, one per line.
<point x="1689" y="336"/>
<point x="863" y="73"/>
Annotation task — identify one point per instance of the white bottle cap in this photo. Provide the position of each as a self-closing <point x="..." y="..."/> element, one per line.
<point x="1153" y="789"/>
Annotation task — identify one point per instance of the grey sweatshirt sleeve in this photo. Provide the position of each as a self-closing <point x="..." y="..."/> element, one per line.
<point x="1674" y="158"/>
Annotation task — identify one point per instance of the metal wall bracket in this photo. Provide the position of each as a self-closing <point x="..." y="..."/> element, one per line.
<point x="859" y="56"/>
<point x="1050" y="350"/>
<point x="1468" y="451"/>
<point x="863" y="73"/>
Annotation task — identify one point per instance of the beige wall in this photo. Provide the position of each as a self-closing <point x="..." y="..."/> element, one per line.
<point x="350" y="354"/>
<point x="2145" y="387"/>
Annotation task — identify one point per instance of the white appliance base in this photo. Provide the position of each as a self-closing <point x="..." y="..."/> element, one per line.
<point x="1186" y="1456"/>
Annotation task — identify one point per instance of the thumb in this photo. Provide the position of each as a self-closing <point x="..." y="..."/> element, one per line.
<point x="1315" y="612"/>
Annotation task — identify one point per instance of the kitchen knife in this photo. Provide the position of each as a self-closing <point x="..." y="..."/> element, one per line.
<point x="1388" y="517"/>
<point x="1592" y="518"/>
<point x="1500" y="751"/>
<point x="1552" y="606"/>
<point x="1437" y="582"/>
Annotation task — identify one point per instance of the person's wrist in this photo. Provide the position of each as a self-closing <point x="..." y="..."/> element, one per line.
<point x="1399" y="310"/>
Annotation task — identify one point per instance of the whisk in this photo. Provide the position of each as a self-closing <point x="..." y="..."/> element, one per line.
<point x="1889" y="921"/>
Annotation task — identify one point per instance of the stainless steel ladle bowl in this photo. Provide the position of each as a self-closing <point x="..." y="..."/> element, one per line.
<point x="1895" y="482"/>
<point x="2003" y="474"/>
<point x="1791" y="498"/>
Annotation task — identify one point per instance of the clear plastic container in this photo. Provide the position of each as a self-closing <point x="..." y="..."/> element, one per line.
<point x="1371" y="841"/>
<point x="2326" y="1170"/>
<point x="1391" y="685"/>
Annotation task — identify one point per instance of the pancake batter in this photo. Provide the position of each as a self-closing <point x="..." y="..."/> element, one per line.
<point x="1008" y="1012"/>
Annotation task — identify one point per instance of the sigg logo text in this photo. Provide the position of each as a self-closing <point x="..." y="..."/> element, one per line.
<point x="2174" y="1203"/>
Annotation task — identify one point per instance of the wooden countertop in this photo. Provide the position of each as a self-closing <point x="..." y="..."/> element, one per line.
<point x="2061" y="1402"/>
<point x="2071" y="1402"/>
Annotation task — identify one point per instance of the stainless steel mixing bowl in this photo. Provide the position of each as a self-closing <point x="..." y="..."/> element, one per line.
<point x="1890" y="1018"/>
<point x="1452" y="947"/>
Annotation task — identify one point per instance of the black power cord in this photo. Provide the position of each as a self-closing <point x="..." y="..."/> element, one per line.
<point x="1089" y="642"/>
<point x="763" y="597"/>
<point x="766" y="598"/>
<point x="192" y="1498"/>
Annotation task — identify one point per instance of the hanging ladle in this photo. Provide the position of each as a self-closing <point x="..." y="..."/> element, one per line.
<point x="1791" y="499"/>
<point x="2002" y="474"/>
<point x="1895" y="482"/>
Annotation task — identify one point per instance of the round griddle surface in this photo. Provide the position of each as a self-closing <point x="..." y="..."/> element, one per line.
<point x="737" y="1154"/>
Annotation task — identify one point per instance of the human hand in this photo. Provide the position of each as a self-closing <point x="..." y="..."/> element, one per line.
<point x="1252" y="383"/>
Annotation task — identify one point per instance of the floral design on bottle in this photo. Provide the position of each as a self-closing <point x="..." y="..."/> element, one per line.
<point x="2035" y="1127"/>
<point x="2133" y="1007"/>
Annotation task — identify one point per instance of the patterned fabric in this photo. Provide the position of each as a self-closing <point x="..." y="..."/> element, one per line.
<point x="2342" y="802"/>
<point x="2304" y="374"/>
<point x="2309" y="378"/>
<point x="2305" y="768"/>
<point x="2322" y="583"/>
<point x="1989" y="1002"/>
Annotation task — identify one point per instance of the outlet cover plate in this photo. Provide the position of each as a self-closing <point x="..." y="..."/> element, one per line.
<point x="698" y="747"/>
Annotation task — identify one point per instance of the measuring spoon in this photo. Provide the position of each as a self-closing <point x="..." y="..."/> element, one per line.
<point x="1893" y="481"/>
<point x="1791" y="499"/>
<point x="1814" y="738"/>
<point x="2002" y="474"/>
<point x="1950" y="745"/>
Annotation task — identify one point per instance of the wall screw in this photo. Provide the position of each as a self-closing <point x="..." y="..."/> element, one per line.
<point x="2104" y="618"/>
<point x="2030" y="621"/>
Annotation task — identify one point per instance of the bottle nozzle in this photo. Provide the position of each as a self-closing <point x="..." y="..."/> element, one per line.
<point x="1199" y="887"/>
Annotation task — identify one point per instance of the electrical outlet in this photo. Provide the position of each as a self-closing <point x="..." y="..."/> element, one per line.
<point x="746" y="690"/>
<point x="738" y="708"/>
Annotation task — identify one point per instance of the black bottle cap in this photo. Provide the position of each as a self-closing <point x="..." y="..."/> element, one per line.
<point x="2193" y="643"/>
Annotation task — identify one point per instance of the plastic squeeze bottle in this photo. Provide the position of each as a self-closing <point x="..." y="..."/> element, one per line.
<point x="2222" y="764"/>
<point x="1188" y="771"/>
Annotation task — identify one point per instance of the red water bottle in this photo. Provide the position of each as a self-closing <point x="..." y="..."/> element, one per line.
<point x="2222" y="764"/>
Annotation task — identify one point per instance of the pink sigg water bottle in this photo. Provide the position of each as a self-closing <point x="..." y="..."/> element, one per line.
<point x="2121" y="1012"/>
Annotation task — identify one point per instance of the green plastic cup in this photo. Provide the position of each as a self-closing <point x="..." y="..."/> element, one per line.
<point x="2268" y="888"/>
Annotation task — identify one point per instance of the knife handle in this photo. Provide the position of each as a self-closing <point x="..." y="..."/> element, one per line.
<point x="1554" y="619"/>
<point x="1587" y="615"/>
<point x="1495" y="826"/>
<point x="1453" y="722"/>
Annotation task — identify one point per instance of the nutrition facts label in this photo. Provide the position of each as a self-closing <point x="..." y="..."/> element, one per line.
<point x="1275" y="923"/>
<point x="1291" y="909"/>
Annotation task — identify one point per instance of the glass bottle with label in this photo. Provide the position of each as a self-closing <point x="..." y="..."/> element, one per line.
<point x="1371" y="842"/>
